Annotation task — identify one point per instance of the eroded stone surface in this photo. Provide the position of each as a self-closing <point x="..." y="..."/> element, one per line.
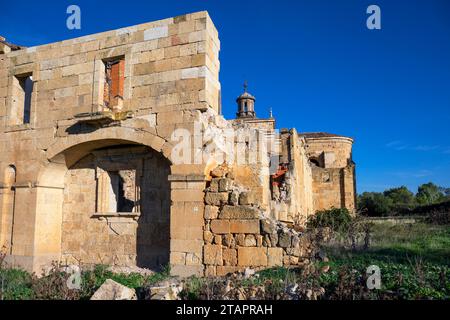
<point x="111" y="290"/>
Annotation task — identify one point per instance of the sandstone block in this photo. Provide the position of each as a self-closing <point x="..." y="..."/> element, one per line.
<point x="229" y="241"/>
<point x="164" y="118"/>
<point x="212" y="255"/>
<point x="259" y="240"/>
<point x="246" y="198"/>
<point x="211" y="212"/>
<point x="239" y="212"/>
<point x="240" y="239"/>
<point x="250" y="241"/>
<point x="220" y="226"/>
<point x="178" y="245"/>
<point x="208" y="237"/>
<point x="210" y="271"/>
<point x="293" y="260"/>
<point x="193" y="259"/>
<point x="184" y="271"/>
<point x="244" y="226"/>
<point x="111" y="290"/>
<point x="180" y="195"/>
<point x="275" y="257"/>
<point x="229" y="257"/>
<point x="178" y="257"/>
<point x="218" y="240"/>
<point x="187" y="169"/>
<point x="214" y="185"/>
<point x="216" y="199"/>
<point x="225" y="185"/>
<point x="252" y="256"/>
<point x="156" y="33"/>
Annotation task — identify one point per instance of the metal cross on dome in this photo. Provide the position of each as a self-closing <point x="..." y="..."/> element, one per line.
<point x="245" y="85"/>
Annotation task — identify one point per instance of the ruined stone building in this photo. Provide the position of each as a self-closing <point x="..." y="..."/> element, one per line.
<point x="91" y="170"/>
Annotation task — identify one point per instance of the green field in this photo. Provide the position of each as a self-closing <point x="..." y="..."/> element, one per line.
<point x="414" y="260"/>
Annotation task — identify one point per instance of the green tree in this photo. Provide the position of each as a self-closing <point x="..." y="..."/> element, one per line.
<point x="375" y="204"/>
<point x="402" y="199"/>
<point x="429" y="193"/>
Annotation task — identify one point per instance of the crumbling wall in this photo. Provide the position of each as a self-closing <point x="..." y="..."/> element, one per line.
<point x="302" y="193"/>
<point x="239" y="234"/>
<point x="292" y="198"/>
<point x="170" y="74"/>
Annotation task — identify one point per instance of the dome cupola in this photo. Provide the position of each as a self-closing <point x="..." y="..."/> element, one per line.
<point x="246" y="104"/>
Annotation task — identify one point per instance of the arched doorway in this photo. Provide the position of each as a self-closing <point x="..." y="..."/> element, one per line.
<point x="116" y="208"/>
<point x="104" y="198"/>
<point x="148" y="243"/>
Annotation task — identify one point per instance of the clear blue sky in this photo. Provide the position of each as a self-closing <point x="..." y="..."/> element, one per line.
<point x="315" y="63"/>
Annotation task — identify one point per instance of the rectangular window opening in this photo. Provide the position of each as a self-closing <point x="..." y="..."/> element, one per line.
<point x="22" y="98"/>
<point x="114" y="79"/>
<point x="118" y="196"/>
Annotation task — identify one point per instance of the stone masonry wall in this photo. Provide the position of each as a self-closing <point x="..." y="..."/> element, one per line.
<point x="333" y="181"/>
<point x="171" y="75"/>
<point x="238" y="234"/>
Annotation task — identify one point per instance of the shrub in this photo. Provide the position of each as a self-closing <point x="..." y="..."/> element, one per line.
<point x="338" y="220"/>
<point x="403" y="200"/>
<point x="15" y="285"/>
<point x="53" y="286"/>
<point x="436" y="213"/>
<point x="374" y="204"/>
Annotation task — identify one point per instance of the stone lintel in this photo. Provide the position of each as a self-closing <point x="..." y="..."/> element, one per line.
<point x="29" y="185"/>
<point x="180" y="177"/>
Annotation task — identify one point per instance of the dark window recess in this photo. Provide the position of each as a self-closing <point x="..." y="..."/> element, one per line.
<point x="26" y="90"/>
<point x="118" y="188"/>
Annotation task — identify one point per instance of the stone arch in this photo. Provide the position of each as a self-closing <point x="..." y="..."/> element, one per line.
<point x="10" y="175"/>
<point x="103" y="138"/>
<point x="63" y="154"/>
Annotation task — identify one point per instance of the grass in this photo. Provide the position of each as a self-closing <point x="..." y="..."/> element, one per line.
<point x="15" y="285"/>
<point x="402" y="243"/>
<point x="20" y="285"/>
<point x="414" y="260"/>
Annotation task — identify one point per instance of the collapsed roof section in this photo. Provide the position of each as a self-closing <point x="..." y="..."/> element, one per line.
<point x="6" y="47"/>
